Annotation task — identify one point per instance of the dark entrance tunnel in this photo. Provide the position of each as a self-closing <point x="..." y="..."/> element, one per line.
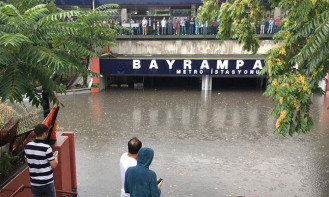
<point x="249" y="83"/>
<point x="185" y="83"/>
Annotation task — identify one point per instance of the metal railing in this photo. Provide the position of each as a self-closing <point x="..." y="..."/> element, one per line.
<point x="14" y="135"/>
<point x="135" y="30"/>
<point x="22" y="187"/>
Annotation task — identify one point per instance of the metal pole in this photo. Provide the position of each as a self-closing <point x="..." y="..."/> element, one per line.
<point x="130" y="29"/>
<point x="93" y="4"/>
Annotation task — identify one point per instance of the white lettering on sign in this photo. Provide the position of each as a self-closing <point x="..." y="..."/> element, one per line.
<point x="222" y="64"/>
<point x="170" y="63"/>
<point x="213" y="66"/>
<point x="136" y="64"/>
<point x="187" y="64"/>
<point x="204" y="65"/>
<point x="239" y="63"/>
<point x="153" y="64"/>
<point x="258" y="64"/>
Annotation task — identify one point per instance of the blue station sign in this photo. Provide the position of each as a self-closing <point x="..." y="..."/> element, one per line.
<point x="238" y="67"/>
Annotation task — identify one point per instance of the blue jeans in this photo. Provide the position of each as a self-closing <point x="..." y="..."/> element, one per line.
<point x="191" y="30"/>
<point x="270" y="29"/>
<point x="44" y="191"/>
<point x="205" y="30"/>
<point x="183" y="30"/>
<point x="170" y="29"/>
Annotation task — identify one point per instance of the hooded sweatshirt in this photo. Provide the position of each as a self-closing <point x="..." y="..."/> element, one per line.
<point x="140" y="181"/>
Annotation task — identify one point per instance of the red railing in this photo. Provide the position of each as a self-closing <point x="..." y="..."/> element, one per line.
<point x="22" y="187"/>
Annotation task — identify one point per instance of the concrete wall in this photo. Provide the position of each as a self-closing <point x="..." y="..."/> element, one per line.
<point x="185" y="47"/>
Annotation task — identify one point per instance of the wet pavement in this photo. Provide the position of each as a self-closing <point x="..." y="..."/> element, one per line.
<point x="215" y="144"/>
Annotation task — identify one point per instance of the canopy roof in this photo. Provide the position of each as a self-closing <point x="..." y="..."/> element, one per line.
<point x="127" y="2"/>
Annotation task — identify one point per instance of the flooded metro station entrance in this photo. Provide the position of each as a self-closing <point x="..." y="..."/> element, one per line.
<point x="153" y="82"/>
<point x="182" y="83"/>
<point x="203" y="74"/>
<point x="206" y="143"/>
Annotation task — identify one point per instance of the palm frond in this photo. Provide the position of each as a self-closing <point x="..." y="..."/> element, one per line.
<point x="59" y="16"/>
<point x="64" y="28"/>
<point x="10" y="10"/>
<point x="314" y="44"/>
<point x="36" y="13"/>
<point x="308" y="28"/>
<point x="40" y="35"/>
<point x="92" y="17"/>
<point x="106" y="7"/>
<point x="12" y="84"/>
<point x="55" y="61"/>
<point x="8" y="29"/>
<point x="6" y="57"/>
<point x="3" y="17"/>
<point x="13" y="39"/>
<point x="79" y="48"/>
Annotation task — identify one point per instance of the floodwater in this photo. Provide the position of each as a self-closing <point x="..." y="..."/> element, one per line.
<point x="206" y="144"/>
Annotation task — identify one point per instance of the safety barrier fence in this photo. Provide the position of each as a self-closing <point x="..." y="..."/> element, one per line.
<point x="62" y="193"/>
<point x="135" y="30"/>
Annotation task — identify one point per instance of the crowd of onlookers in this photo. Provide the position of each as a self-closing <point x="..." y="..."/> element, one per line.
<point x="183" y="26"/>
<point x="269" y="25"/>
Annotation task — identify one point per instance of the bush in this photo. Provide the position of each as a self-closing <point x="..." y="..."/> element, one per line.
<point x="95" y="85"/>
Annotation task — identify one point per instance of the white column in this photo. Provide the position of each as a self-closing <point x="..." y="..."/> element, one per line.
<point x="206" y="82"/>
<point x="124" y="15"/>
<point x="322" y="84"/>
<point x="277" y="12"/>
<point x="193" y="10"/>
<point x="102" y="82"/>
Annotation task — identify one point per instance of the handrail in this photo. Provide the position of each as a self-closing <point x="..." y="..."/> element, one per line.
<point x="22" y="187"/>
<point x="64" y="192"/>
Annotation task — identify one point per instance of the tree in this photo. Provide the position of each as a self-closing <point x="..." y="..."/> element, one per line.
<point x="303" y="40"/>
<point x="40" y="41"/>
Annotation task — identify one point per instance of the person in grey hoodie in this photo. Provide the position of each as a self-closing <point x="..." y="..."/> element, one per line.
<point x="140" y="181"/>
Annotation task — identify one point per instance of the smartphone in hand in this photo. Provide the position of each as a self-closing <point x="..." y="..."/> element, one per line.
<point x="55" y="153"/>
<point x="159" y="181"/>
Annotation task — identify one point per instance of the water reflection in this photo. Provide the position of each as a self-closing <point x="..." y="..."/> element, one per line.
<point x="206" y="143"/>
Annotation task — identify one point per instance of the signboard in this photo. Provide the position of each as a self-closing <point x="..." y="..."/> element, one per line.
<point x="237" y="67"/>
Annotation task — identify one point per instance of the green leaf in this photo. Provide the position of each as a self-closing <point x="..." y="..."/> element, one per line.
<point x="36" y="13"/>
<point x="13" y="39"/>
